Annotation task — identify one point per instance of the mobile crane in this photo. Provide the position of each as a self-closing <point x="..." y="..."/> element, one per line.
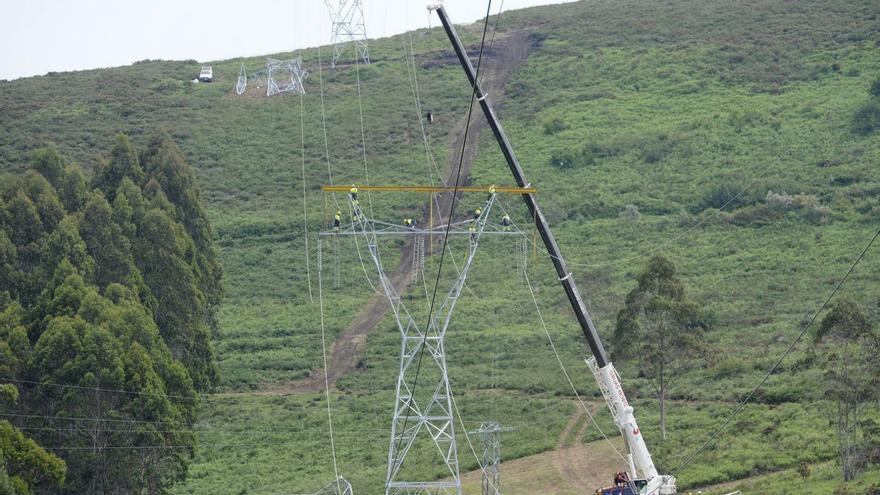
<point x="645" y="480"/>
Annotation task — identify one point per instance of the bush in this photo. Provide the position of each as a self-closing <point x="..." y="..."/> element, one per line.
<point x="726" y="193"/>
<point x="630" y="212"/>
<point x="553" y="126"/>
<point x="565" y="159"/>
<point x="875" y="88"/>
<point x="803" y="470"/>
<point x="867" y="118"/>
<point x="656" y="148"/>
<point x="779" y="201"/>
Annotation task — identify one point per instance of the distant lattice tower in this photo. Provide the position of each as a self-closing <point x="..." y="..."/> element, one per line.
<point x="490" y="437"/>
<point x="283" y="76"/>
<point x="347" y="18"/>
<point x="241" y="84"/>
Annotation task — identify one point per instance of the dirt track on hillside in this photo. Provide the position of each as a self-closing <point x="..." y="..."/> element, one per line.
<point x="509" y="50"/>
<point x="572" y="468"/>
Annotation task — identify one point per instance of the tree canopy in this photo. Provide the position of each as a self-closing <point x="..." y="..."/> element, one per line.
<point x="661" y="327"/>
<point x="106" y="299"/>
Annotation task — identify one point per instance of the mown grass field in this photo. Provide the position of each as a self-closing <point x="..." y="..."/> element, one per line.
<point x="676" y="108"/>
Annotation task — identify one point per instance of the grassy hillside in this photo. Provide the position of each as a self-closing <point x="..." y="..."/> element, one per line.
<point x="674" y="107"/>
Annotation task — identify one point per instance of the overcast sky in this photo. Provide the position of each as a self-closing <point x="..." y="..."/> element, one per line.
<point x="39" y="36"/>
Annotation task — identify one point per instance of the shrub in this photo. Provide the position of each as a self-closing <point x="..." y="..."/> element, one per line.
<point x="630" y="212"/>
<point x="875" y="88"/>
<point x="778" y="201"/>
<point x="803" y="470"/>
<point x="867" y="118"/>
<point x="565" y="159"/>
<point x="727" y="193"/>
<point x="553" y="126"/>
<point x="657" y="148"/>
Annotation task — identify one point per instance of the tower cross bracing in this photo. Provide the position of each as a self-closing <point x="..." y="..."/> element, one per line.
<point x="347" y="25"/>
<point x="427" y="420"/>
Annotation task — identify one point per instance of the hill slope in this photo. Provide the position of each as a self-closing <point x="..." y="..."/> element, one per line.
<point x="673" y="107"/>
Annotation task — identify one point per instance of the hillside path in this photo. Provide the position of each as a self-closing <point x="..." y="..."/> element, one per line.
<point x="572" y="468"/>
<point x="509" y="50"/>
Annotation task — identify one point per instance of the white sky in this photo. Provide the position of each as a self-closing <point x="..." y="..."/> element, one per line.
<point x="39" y="36"/>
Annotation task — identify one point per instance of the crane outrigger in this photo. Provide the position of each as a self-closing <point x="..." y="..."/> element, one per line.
<point x="646" y="479"/>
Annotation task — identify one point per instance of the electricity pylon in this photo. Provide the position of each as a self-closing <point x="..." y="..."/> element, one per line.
<point x="338" y="487"/>
<point x="347" y="25"/>
<point x="490" y="438"/>
<point x="284" y="76"/>
<point x="425" y="420"/>
<point x="422" y="424"/>
<point x="279" y="76"/>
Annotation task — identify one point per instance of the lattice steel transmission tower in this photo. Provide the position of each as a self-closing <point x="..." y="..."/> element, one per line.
<point x="279" y="76"/>
<point x="422" y="425"/>
<point x="347" y="25"/>
<point x="241" y="84"/>
<point x="284" y="76"/>
<point x="490" y="438"/>
<point x="340" y="486"/>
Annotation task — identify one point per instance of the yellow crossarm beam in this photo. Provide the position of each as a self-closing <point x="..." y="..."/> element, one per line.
<point x="432" y="189"/>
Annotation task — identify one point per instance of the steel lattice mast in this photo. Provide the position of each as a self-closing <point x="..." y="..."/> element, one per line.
<point x="340" y="486"/>
<point x="347" y="25"/>
<point x="431" y="420"/>
<point x="490" y="437"/>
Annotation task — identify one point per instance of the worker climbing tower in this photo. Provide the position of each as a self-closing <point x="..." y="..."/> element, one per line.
<point x="347" y="25"/>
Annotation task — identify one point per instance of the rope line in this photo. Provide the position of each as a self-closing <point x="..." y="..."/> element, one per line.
<point x="302" y="140"/>
<point x="451" y="213"/>
<point x="432" y="162"/>
<point x="565" y="372"/>
<point x="327" y="158"/>
<point x="659" y="247"/>
<point x="97" y="389"/>
<point x="326" y="378"/>
<point x="470" y="444"/>
<point x="357" y="72"/>
<point x="324" y="124"/>
<point x="778" y="361"/>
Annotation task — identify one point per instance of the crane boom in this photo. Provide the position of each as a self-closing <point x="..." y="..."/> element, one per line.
<point x="603" y="370"/>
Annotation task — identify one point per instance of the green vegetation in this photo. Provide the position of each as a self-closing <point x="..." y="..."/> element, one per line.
<point x="850" y="356"/>
<point x="104" y="317"/>
<point x="732" y="130"/>
<point x="660" y="328"/>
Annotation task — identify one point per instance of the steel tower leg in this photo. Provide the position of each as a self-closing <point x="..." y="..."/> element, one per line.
<point x="430" y="420"/>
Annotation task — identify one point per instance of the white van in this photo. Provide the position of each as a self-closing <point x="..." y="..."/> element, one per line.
<point x="207" y="74"/>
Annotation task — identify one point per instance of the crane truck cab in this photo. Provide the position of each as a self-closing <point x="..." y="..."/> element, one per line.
<point x="206" y="74"/>
<point x="640" y="487"/>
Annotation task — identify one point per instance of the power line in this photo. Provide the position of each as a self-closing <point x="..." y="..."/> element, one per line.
<point x="451" y="213"/>
<point x="659" y="247"/>
<point x="98" y="389"/>
<point x="326" y="378"/>
<point x="779" y="361"/>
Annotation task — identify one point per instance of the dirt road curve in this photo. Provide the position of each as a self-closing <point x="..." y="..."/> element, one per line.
<point x="572" y="468"/>
<point x="509" y="50"/>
